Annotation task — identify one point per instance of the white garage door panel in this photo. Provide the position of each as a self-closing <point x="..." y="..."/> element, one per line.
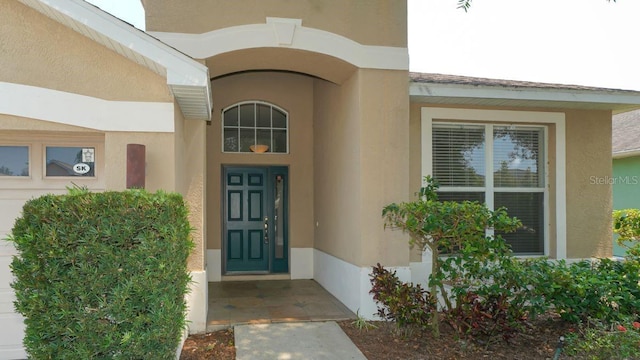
<point x="11" y="209"/>
<point x="11" y="333"/>
<point x="12" y="328"/>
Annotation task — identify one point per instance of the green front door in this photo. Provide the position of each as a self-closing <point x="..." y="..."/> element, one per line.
<point x="255" y="219"/>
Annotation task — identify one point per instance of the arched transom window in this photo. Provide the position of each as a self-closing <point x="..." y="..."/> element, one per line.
<point x="255" y="127"/>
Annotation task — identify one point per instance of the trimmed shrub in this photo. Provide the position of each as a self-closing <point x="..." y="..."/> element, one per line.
<point x="102" y="275"/>
<point x="603" y="289"/>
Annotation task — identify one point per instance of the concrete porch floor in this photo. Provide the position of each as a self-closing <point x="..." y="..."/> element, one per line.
<point x="271" y="301"/>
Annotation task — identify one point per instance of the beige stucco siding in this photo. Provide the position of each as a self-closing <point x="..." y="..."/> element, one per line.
<point x="190" y="173"/>
<point x="384" y="155"/>
<point x="589" y="204"/>
<point x="361" y="159"/>
<point x="38" y="51"/>
<point x="160" y="171"/>
<point x="294" y="94"/>
<point x="337" y="193"/>
<point x="370" y="22"/>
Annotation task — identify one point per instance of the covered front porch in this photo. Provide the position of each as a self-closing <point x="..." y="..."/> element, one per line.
<point x="271" y="301"/>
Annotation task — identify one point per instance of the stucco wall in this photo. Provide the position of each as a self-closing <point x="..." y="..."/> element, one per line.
<point x="337" y="194"/>
<point x="589" y="204"/>
<point x="370" y="22"/>
<point x="111" y="152"/>
<point x="160" y="170"/>
<point x="40" y="52"/>
<point x="190" y="156"/>
<point x="362" y="164"/>
<point x="588" y="145"/>
<point x="293" y="93"/>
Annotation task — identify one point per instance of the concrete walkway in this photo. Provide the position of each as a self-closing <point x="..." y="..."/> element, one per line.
<point x="294" y="341"/>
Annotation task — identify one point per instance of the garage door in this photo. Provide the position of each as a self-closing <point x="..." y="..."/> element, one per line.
<point x="12" y="329"/>
<point x="31" y="167"/>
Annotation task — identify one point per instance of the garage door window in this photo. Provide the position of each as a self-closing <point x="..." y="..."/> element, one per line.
<point x="14" y="161"/>
<point x="70" y="161"/>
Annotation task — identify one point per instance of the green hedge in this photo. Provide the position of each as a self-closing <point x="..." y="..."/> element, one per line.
<point x="102" y="275"/>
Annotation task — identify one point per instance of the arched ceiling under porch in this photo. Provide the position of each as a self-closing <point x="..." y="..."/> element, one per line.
<point x="281" y="59"/>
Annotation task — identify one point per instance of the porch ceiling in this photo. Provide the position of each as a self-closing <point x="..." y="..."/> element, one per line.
<point x="187" y="79"/>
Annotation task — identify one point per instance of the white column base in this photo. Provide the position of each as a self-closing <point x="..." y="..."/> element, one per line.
<point x="214" y="265"/>
<point x="350" y="283"/>
<point x="301" y="263"/>
<point x="197" y="302"/>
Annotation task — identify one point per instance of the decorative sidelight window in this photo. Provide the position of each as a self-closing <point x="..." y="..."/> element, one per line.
<point x="257" y="127"/>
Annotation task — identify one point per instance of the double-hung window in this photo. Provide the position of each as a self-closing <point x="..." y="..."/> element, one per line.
<point x="500" y="165"/>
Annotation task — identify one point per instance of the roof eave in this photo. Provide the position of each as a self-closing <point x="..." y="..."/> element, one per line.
<point x="187" y="79"/>
<point x="520" y="96"/>
<point x="626" y="153"/>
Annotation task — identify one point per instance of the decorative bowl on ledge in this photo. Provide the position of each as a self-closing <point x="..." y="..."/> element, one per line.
<point x="259" y="148"/>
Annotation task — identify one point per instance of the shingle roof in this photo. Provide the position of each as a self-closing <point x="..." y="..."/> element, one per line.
<point x="626" y="132"/>
<point x="474" y="91"/>
<point x="477" y="81"/>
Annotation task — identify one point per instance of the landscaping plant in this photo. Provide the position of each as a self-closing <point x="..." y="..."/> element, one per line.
<point x="102" y="275"/>
<point x="406" y="304"/>
<point x="626" y="223"/>
<point x="459" y="231"/>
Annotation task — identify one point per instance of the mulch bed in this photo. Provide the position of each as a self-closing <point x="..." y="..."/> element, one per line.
<point x="386" y="342"/>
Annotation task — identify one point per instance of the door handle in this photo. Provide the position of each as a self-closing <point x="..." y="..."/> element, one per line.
<point x="266" y="230"/>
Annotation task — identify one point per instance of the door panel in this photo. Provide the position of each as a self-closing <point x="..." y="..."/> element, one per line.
<point x="245" y="241"/>
<point x="255" y="219"/>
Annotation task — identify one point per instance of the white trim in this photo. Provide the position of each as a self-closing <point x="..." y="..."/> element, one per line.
<point x="214" y="265"/>
<point x="187" y="79"/>
<point x="301" y="262"/>
<point x="561" y="190"/>
<point x="197" y="302"/>
<point x="428" y="115"/>
<point x="272" y="35"/>
<point x="284" y="28"/>
<point x="421" y="270"/>
<point x="613" y="99"/>
<point x="626" y="153"/>
<point x="85" y="111"/>
<point x="350" y="283"/>
<point x="180" y="69"/>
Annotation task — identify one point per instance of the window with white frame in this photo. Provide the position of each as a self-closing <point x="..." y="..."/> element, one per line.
<point x="255" y="127"/>
<point x="502" y="166"/>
